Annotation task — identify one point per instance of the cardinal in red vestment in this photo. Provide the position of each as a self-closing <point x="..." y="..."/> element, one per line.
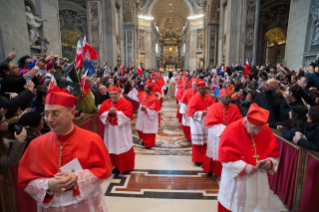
<point x="197" y="110"/>
<point x="178" y="96"/>
<point x="187" y="95"/>
<point x="158" y="93"/>
<point x="218" y="117"/>
<point x="116" y="114"/>
<point x="42" y="170"/>
<point x="147" y="118"/>
<point x="248" y="152"/>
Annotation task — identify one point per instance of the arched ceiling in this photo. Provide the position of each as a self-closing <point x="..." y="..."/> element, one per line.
<point x="276" y="36"/>
<point x="177" y="9"/>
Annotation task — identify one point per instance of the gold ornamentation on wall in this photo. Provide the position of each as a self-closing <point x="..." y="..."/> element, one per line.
<point x="144" y="24"/>
<point x="70" y="38"/>
<point x="197" y="23"/>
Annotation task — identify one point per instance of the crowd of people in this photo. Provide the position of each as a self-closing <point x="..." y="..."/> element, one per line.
<point x="225" y="95"/>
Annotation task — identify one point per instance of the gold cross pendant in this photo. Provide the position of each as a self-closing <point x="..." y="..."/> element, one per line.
<point x="58" y="194"/>
<point x="256" y="157"/>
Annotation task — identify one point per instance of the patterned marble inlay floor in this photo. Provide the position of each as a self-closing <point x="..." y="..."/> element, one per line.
<point x="164" y="184"/>
<point x="170" y="138"/>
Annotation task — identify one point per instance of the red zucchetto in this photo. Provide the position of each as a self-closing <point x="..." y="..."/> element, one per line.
<point x="225" y="91"/>
<point x="56" y="96"/>
<point x="257" y="115"/>
<point x="200" y="83"/>
<point x="115" y="89"/>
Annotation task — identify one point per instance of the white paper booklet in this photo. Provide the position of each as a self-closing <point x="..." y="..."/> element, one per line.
<point x="72" y="166"/>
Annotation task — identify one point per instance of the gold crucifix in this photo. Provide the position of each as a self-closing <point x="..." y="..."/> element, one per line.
<point x="255" y="156"/>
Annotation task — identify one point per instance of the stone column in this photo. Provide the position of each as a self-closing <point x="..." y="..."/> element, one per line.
<point x="212" y="46"/>
<point x="94" y="20"/>
<point x="179" y="64"/>
<point x="162" y="54"/>
<point x="250" y="31"/>
<point x="148" y="49"/>
<point x="254" y="59"/>
<point x="192" y="50"/>
<point x="129" y="44"/>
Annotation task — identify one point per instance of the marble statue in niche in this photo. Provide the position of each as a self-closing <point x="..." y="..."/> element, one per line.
<point x="41" y="44"/>
<point x="34" y="23"/>
<point x="315" y="15"/>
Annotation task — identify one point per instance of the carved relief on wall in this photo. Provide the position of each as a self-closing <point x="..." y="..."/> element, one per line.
<point x="278" y="15"/>
<point x="315" y="16"/>
<point x="248" y="54"/>
<point x="70" y="20"/>
<point x="129" y="46"/>
<point x="249" y="36"/>
<point x="95" y="25"/>
<point x="200" y="39"/>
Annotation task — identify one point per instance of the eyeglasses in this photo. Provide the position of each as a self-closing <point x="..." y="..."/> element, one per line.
<point x="54" y="114"/>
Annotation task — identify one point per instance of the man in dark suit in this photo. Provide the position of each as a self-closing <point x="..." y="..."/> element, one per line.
<point x="262" y="99"/>
<point x="101" y="94"/>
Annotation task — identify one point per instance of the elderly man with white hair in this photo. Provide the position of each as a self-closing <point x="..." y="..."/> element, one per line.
<point x="248" y="152"/>
<point x="262" y="99"/>
<point x="116" y="114"/>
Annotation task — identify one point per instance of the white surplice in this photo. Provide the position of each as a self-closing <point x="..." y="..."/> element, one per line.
<point x="147" y="122"/>
<point x="214" y="133"/>
<point x="185" y="118"/>
<point x="249" y="192"/>
<point x="117" y="138"/>
<point x="199" y="132"/>
<point x="91" y="198"/>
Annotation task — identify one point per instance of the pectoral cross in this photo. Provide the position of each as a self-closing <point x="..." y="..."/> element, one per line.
<point x="255" y="156"/>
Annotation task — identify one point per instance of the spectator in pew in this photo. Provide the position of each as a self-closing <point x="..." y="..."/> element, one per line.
<point x="9" y="156"/>
<point x="41" y="97"/>
<point x="311" y="132"/>
<point x="23" y="97"/>
<point x="85" y="98"/>
<point x="35" y="121"/>
<point x="297" y="122"/>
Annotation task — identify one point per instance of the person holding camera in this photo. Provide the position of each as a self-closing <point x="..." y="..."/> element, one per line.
<point x="10" y="155"/>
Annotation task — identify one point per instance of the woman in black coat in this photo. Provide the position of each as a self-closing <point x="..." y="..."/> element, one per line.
<point x="311" y="131"/>
<point x="297" y="122"/>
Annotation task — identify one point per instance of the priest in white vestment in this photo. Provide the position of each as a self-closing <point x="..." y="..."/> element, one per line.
<point x="248" y="151"/>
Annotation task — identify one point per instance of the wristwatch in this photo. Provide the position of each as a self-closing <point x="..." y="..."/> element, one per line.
<point x="36" y="68"/>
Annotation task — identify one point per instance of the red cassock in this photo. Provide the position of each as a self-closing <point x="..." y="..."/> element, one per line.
<point x="187" y="95"/>
<point x="158" y="91"/>
<point x="40" y="162"/>
<point x="118" y="137"/>
<point x="148" y="133"/>
<point x="178" y="97"/>
<point x="219" y="114"/>
<point x="231" y="149"/>
<point x="199" y="132"/>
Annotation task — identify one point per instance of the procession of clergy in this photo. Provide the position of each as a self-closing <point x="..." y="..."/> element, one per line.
<point x="239" y="150"/>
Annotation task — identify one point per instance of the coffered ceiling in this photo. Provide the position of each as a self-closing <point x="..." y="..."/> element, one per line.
<point x="177" y="9"/>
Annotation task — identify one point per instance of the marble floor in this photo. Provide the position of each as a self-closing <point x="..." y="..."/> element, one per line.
<point x="164" y="178"/>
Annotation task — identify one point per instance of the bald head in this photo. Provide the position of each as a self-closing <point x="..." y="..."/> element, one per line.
<point x="102" y="90"/>
<point x="273" y="84"/>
